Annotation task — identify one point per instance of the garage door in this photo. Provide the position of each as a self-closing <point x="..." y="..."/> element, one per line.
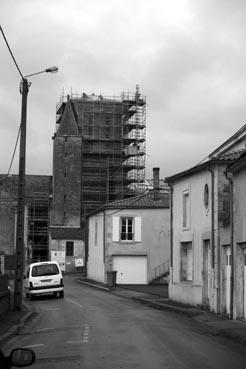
<point x="130" y="269"/>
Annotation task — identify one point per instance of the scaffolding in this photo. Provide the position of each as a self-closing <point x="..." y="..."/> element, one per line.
<point x="38" y="191"/>
<point x="113" y="131"/>
<point x="38" y="228"/>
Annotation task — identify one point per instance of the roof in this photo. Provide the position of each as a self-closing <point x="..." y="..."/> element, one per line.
<point x="231" y="156"/>
<point x="68" y="125"/>
<point x="143" y="201"/>
<point x="226" y="158"/>
<point x="239" y="164"/>
<point x="238" y="136"/>
<point x="69" y="233"/>
<point x="35" y="185"/>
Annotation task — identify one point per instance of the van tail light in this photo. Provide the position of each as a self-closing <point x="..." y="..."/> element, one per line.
<point x="61" y="282"/>
<point x="30" y="285"/>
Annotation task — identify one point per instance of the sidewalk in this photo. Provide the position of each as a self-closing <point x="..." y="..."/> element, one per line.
<point x="156" y="297"/>
<point x="12" y="322"/>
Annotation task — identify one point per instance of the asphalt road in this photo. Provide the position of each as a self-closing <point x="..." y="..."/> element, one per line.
<point x="93" y="329"/>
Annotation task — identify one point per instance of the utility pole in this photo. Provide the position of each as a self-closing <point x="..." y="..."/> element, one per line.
<point x="20" y="251"/>
<point x="20" y="231"/>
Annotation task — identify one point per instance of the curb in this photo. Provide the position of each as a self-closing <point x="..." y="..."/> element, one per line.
<point x="191" y="313"/>
<point x="15" y="329"/>
<point x="95" y="285"/>
<point x="214" y="331"/>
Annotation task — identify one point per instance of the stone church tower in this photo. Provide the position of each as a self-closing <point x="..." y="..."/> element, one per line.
<point x="65" y="229"/>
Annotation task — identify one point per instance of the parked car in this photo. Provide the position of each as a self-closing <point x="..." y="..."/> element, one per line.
<point x="43" y="278"/>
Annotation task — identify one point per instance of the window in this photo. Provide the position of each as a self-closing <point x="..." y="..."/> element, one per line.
<point x="69" y="248"/>
<point x="186" y="261"/>
<point x="126" y="229"/>
<point x="44" y="269"/>
<point x="206" y="196"/>
<point x="186" y="209"/>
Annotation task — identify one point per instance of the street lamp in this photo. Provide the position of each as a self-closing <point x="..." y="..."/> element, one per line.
<point x="18" y="286"/>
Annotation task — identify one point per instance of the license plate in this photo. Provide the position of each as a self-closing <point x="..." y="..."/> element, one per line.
<point x="46" y="280"/>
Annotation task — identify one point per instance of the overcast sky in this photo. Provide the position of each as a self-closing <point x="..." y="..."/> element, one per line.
<point x="188" y="57"/>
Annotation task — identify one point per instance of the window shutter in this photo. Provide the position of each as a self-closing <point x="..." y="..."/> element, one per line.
<point x="138" y="221"/>
<point x="116" y="229"/>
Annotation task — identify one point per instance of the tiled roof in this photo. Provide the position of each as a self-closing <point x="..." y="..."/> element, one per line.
<point x="143" y="201"/>
<point x="34" y="184"/>
<point x="228" y="156"/>
<point x="236" y="137"/>
<point x="238" y="164"/>
<point x="66" y="233"/>
<point x="225" y="159"/>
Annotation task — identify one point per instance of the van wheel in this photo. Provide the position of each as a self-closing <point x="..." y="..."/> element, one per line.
<point x="61" y="294"/>
<point x="30" y="296"/>
<point x="27" y="295"/>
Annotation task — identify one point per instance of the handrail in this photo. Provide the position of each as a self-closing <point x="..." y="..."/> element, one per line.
<point x="161" y="269"/>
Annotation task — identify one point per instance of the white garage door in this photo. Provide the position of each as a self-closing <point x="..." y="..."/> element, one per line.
<point x="130" y="269"/>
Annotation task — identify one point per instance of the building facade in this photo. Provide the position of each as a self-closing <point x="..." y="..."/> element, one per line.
<point x="131" y="237"/>
<point x="237" y="175"/>
<point x="201" y="225"/>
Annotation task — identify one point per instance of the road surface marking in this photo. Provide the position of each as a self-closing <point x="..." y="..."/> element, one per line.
<point x="86" y="333"/>
<point x="52" y="309"/>
<point x="45" y="329"/>
<point x="37" y="345"/>
<point x="75" y="303"/>
<point x="72" y="342"/>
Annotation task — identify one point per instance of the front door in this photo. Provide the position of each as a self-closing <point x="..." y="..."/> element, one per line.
<point x="228" y="279"/>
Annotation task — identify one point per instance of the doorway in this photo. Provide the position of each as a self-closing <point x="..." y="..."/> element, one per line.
<point x="228" y="279"/>
<point x="205" y="273"/>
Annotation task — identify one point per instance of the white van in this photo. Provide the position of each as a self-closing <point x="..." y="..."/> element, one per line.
<point x="43" y="278"/>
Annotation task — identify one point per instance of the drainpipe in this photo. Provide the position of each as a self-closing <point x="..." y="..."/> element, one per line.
<point x="104" y="236"/>
<point x="212" y="231"/>
<point x="229" y="176"/>
<point x="171" y="226"/>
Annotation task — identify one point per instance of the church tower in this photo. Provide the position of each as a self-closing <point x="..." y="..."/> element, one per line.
<point x="65" y="231"/>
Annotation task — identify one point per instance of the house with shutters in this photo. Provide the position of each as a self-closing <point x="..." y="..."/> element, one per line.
<point x="131" y="237"/>
<point x="201" y="230"/>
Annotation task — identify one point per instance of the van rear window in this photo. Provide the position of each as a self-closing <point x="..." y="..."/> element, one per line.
<point x="45" y="269"/>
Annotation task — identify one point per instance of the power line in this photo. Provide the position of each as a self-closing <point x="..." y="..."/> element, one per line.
<point x="11" y="52"/>
<point x="13" y="155"/>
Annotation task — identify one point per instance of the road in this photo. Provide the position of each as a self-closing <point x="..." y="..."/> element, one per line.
<point x="93" y="329"/>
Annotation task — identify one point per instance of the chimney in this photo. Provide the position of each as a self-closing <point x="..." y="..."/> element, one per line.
<point x="156" y="183"/>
